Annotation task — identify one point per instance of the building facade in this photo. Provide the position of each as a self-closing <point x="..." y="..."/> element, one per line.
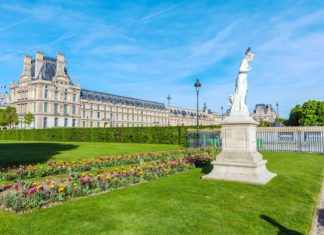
<point x="4" y="100"/>
<point x="264" y="113"/>
<point x="46" y="90"/>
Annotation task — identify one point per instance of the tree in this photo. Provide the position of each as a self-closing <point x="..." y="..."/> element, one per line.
<point x="29" y="118"/>
<point x="311" y="113"/>
<point x="3" y="118"/>
<point x="295" y="115"/>
<point x="12" y="115"/>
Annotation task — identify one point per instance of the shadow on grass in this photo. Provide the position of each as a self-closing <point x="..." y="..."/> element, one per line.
<point x="29" y="153"/>
<point x="320" y="217"/>
<point x="207" y="168"/>
<point x="282" y="229"/>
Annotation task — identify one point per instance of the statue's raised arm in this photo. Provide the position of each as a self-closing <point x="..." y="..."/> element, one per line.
<point x="237" y="100"/>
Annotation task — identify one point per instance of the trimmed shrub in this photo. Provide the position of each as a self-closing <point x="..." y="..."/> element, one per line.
<point x="152" y="135"/>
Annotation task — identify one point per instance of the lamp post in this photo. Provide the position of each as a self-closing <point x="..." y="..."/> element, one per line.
<point x="169" y="98"/>
<point x="222" y="108"/>
<point x="277" y="104"/>
<point x="197" y="85"/>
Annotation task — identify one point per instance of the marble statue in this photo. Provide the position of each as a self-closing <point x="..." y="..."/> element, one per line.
<point x="240" y="159"/>
<point x="238" y="99"/>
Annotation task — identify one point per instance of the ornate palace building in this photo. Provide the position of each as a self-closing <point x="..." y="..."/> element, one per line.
<point x="46" y="90"/>
<point x="264" y="113"/>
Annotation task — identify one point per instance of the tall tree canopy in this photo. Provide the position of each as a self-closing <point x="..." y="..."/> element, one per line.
<point x="311" y="113"/>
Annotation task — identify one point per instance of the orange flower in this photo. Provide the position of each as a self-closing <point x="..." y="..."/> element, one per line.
<point x="61" y="189"/>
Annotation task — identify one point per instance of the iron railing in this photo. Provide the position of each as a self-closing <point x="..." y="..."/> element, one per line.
<point x="283" y="139"/>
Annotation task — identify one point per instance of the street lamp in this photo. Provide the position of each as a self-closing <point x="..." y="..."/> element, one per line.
<point x="277" y="104"/>
<point x="169" y="98"/>
<point x="222" y="108"/>
<point x="197" y="85"/>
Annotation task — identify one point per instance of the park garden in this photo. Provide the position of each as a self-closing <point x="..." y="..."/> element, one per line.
<point x="129" y="188"/>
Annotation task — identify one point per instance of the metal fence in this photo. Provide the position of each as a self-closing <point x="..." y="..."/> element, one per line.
<point x="283" y="139"/>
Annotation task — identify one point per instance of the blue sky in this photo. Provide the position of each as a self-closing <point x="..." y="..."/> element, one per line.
<point x="149" y="49"/>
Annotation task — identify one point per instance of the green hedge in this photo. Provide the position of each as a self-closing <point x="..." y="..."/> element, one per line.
<point x="152" y="135"/>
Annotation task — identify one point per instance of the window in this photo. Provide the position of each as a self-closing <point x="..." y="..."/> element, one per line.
<point x="46" y="92"/>
<point x="286" y="136"/>
<point x="98" y="107"/>
<point x="56" y="94"/>
<point x="74" y="97"/>
<point x="45" y="107"/>
<point x="55" y="108"/>
<point x="73" y="109"/>
<point x="34" y="107"/>
<point x="312" y="136"/>
<point x="65" y="109"/>
<point x="83" y="114"/>
<point x="98" y="124"/>
<point x="83" y="123"/>
<point x="98" y="115"/>
<point x="56" y="122"/>
<point x="45" y="122"/>
<point x="91" y="106"/>
<point x="65" y="95"/>
<point x="73" y="122"/>
<point x="65" y="122"/>
<point x="91" y="114"/>
<point x="91" y="124"/>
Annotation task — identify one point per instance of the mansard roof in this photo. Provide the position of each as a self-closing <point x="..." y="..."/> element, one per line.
<point x="179" y="112"/>
<point x="48" y="70"/>
<point x="124" y="100"/>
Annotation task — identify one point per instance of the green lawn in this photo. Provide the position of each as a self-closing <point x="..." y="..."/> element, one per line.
<point x="185" y="204"/>
<point x="26" y="152"/>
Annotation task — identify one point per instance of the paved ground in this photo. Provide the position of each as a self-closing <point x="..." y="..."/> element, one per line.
<point x="319" y="229"/>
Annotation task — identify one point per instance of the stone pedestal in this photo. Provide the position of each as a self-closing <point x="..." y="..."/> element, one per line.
<point x="239" y="159"/>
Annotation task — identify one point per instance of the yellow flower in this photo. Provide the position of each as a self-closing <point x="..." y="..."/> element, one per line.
<point x="74" y="184"/>
<point x="34" y="184"/>
<point x="52" y="186"/>
<point x="61" y="189"/>
<point x="116" y="169"/>
<point x="82" y="174"/>
<point x="90" y="175"/>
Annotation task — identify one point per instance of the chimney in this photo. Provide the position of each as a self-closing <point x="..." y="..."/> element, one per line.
<point x="38" y="63"/>
<point x="60" y="65"/>
<point x="27" y="66"/>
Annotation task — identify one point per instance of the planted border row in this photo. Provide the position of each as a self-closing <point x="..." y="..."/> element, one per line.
<point x="55" y="168"/>
<point x="25" y="197"/>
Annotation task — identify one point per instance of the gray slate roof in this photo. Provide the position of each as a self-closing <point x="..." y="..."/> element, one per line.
<point x="48" y="70"/>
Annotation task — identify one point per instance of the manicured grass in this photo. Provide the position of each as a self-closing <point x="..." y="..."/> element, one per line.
<point x="185" y="204"/>
<point x="26" y="152"/>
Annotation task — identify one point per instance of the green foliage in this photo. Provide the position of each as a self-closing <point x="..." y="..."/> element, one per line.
<point x="29" y="118"/>
<point x="311" y="113"/>
<point x="155" y="135"/>
<point x="8" y="116"/>
<point x="3" y="118"/>
<point x="163" y="206"/>
<point x="265" y="124"/>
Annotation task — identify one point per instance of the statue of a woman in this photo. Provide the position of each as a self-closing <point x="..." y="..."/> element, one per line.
<point x="238" y="99"/>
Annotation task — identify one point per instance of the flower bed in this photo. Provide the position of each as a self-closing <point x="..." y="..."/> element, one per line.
<point x="55" y="168"/>
<point x="27" y="196"/>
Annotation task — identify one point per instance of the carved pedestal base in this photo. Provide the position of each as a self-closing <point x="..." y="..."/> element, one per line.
<point x="239" y="159"/>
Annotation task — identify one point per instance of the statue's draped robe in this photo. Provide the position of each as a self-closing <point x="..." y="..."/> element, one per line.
<point x="239" y="97"/>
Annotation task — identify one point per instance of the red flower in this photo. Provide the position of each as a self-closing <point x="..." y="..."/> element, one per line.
<point x="25" y="192"/>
